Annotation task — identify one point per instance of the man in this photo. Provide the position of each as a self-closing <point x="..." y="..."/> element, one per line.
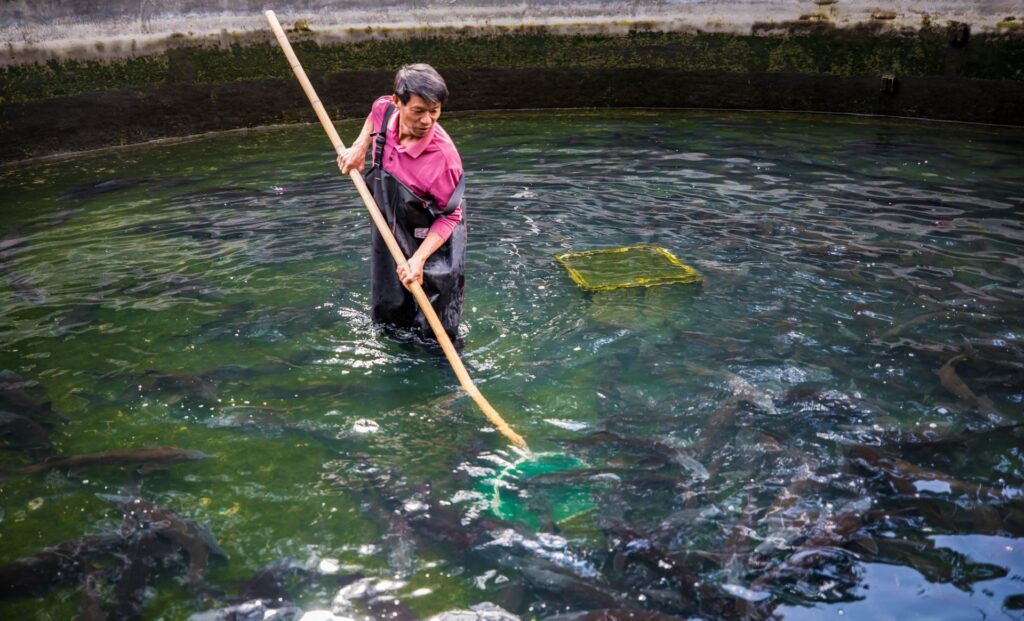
<point x="417" y="181"/>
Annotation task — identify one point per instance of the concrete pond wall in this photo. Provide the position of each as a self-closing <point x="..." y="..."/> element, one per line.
<point x="84" y="74"/>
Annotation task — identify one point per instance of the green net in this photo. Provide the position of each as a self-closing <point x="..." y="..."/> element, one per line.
<point x="631" y="266"/>
<point x="530" y="490"/>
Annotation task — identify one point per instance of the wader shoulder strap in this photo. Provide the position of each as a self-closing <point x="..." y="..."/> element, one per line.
<point x="382" y="136"/>
<point x="456" y="198"/>
<point x="378" y="160"/>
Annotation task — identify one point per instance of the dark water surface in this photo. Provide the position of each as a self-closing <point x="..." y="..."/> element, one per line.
<point x="824" y="427"/>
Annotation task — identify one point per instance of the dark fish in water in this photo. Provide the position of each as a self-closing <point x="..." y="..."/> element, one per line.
<point x="79" y="316"/>
<point x="149" y="459"/>
<point x="478" y="612"/>
<point x="633" y="546"/>
<point x="14" y="397"/>
<point x="268" y="592"/>
<point x="822" y="544"/>
<point x="24" y="434"/>
<point x="653" y="453"/>
<point x="98" y="188"/>
<point x="910" y="479"/>
<point x="226" y="323"/>
<point x="955" y="317"/>
<point x="931" y="439"/>
<point x="195" y="541"/>
<point x="180" y="386"/>
<point x="22" y="403"/>
<point x="937" y="564"/>
<point x="613" y="614"/>
<point x="714" y="436"/>
<point x="952" y="515"/>
<point x="61" y="564"/>
<point x="255" y="610"/>
<point x="145" y="553"/>
<point x="569" y="588"/>
<point x="951" y="381"/>
<point x="270" y="583"/>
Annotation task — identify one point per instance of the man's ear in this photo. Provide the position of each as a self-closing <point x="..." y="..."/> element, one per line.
<point x="395" y="100"/>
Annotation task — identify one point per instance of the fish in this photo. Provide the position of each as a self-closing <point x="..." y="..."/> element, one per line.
<point x="149" y="459"/>
<point x="269" y="583"/>
<point x="952" y="515"/>
<point x="182" y="385"/>
<point x="933" y="440"/>
<point x="613" y="614"/>
<point x="93" y="189"/>
<point x="151" y="517"/>
<point x="631" y="545"/>
<point x="23" y="433"/>
<point x="78" y="316"/>
<point x="910" y="479"/>
<point x="226" y="323"/>
<point x="744" y="391"/>
<point x="651" y="451"/>
<point x="824" y="542"/>
<point x="15" y="397"/>
<point x="480" y="612"/>
<point x="938" y="564"/>
<point x="567" y="587"/>
<point x="951" y="381"/>
<point x="255" y="610"/>
<point x="145" y="552"/>
<point x="716" y="430"/>
<point x="947" y="315"/>
<point x="60" y="564"/>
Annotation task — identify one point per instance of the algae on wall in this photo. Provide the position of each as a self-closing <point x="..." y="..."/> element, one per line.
<point x="140" y="86"/>
<point x="833" y="52"/>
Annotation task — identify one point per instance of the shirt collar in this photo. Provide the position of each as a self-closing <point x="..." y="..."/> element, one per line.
<point x="417" y="148"/>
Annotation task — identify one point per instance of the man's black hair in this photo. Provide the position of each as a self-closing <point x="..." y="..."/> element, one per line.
<point x="420" y="79"/>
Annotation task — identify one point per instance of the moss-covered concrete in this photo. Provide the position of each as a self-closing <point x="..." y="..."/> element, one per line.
<point x="809" y="65"/>
<point x="825" y="51"/>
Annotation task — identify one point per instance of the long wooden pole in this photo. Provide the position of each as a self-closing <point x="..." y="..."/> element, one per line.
<point x="389" y="239"/>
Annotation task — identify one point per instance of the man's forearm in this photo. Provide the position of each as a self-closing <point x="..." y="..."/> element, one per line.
<point x="362" y="142"/>
<point x="428" y="247"/>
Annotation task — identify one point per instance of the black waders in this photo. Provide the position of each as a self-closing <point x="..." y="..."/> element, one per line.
<point x="409" y="218"/>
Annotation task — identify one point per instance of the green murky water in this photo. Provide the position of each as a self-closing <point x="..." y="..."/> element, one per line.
<point x="863" y="284"/>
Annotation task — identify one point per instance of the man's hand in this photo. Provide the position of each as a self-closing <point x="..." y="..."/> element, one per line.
<point x="352" y="158"/>
<point x="411" y="272"/>
<point x="414" y="272"/>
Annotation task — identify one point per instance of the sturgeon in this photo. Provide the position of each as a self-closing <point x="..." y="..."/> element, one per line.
<point x="148" y="458"/>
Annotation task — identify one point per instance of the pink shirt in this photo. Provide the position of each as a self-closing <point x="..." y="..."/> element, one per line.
<point x="431" y="166"/>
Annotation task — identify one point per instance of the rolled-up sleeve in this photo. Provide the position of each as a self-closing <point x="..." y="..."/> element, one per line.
<point x="377" y="111"/>
<point x="442" y="189"/>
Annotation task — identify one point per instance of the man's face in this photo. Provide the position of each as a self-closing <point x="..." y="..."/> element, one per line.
<point x="417" y="116"/>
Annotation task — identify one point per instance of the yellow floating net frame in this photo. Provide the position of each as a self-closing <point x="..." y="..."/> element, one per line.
<point x="629" y="266"/>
